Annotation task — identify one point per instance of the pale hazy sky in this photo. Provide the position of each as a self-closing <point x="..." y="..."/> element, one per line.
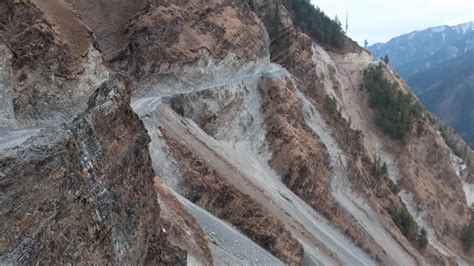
<point x="380" y="20"/>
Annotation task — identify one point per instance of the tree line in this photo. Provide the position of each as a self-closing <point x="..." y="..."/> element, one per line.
<point x="306" y="17"/>
<point x="315" y="23"/>
<point x="395" y="111"/>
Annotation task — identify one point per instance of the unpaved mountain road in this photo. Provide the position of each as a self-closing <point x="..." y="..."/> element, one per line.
<point x="12" y="138"/>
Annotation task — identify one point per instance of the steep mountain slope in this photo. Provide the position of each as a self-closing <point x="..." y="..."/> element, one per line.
<point x="437" y="64"/>
<point x="250" y="165"/>
<point x="448" y="91"/>
<point x="84" y="192"/>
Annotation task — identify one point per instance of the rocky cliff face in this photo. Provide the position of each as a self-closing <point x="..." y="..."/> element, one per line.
<point x="51" y="66"/>
<point x="83" y="192"/>
<point x="214" y="145"/>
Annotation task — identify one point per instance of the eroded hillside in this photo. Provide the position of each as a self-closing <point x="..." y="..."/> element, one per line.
<point x="173" y="132"/>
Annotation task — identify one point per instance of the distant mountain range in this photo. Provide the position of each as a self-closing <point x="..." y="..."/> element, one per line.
<point x="438" y="63"/>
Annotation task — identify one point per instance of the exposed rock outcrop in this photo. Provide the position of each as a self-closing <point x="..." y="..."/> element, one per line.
<point x="214" y="145"/>
<point x="83" y="193"/>
<point x="50" y="64"/>
<point x="109" y="21"/>
<point x="170" y="36"/>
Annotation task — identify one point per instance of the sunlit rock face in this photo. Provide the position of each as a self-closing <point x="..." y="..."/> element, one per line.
<point x="174" y="132"/>
<point x="83" y="193"/>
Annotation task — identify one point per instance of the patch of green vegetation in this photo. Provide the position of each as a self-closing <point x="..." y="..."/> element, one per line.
<point x="308" y="18"/>
<point x="422" y="238"/>
<point x="315" y="23"/>
<point x="380" y="169"/>
<point x="468" y="235"/>
<point x="406" y="224"/>
<point x="280" y="37"/>
<point x="395" y="111"/>
<point x="330" y="105"/>
<point x="409" y="228"/>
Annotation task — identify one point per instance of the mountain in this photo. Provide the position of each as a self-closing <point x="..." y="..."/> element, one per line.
<point x="421" y="50"/>
<point x="437" y="64"/>
<point x="448" y="91"/>
<point x="217" y="133"/>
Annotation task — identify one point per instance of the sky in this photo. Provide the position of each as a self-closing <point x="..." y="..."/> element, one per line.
<point x="381" y="20"/>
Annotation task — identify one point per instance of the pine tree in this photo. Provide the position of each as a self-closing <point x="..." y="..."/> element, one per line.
<point x="405" y="222"/>
<point x="468" y="235"/>
<point x="315" y="23"/>
<point x="423" y="238"/>
<point x="252" y="5"/>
